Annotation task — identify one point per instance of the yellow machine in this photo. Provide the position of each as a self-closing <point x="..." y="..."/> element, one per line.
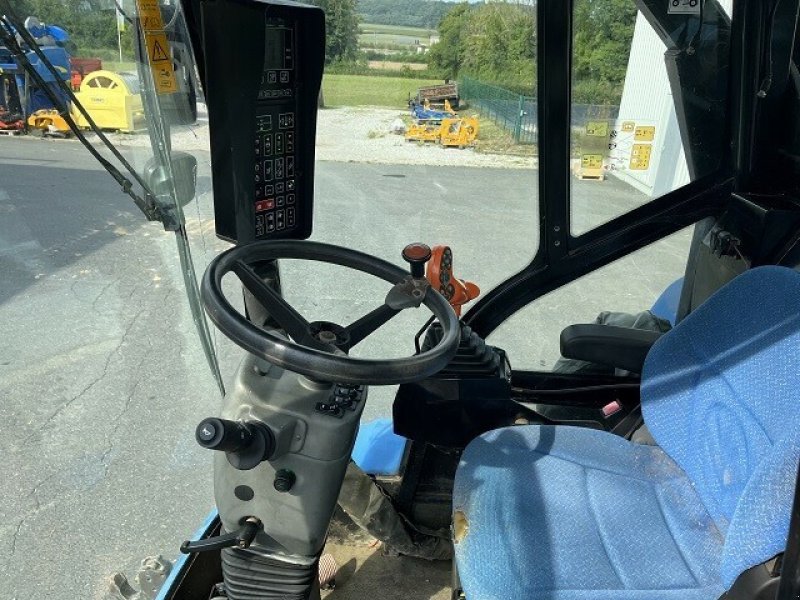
<point x="49" y="122"/>
<point x="424" y="132"/>
<point x="459" y="132"/>
<point x="112" y="100"/>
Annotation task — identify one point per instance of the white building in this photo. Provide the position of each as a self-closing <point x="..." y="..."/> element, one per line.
<point x="647" y="102"/>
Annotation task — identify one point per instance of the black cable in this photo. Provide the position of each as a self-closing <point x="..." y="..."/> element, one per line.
<point x="16" y="23"/>
<point x="150" y="209"/>
<point x="573" y="390"/>
<point x="690" y="49"/>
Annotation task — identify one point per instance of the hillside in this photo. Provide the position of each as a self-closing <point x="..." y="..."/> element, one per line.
<point x="409" y="13"/>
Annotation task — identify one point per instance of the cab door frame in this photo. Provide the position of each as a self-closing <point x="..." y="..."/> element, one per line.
<point x="561" y="257"/>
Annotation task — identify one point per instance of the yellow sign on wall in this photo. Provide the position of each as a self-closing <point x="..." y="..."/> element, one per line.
<point x="597" y="128"/>
<point x="645" y="133"/>
<point x="159" y="54"/>
<point x="592" y="161"/>
<point x="628" y="126"/>
<point x="640" y="157"/>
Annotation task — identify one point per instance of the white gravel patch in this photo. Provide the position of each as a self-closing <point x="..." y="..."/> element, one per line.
<point x="363" y="135"/>
<point x="358" y="135"/>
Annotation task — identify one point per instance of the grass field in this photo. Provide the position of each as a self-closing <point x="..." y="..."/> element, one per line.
<point x="493" y="139"/>
<point x="395" y="30"/>
<point x="395" y="66"/>
<point x="393" y="35"/>
<point x="364" y="90"/>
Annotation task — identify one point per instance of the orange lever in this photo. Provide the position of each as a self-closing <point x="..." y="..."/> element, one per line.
<point x="439" y="273"/>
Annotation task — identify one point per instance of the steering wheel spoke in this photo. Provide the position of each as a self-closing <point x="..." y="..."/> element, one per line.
<point x="315" y="349"/>
<point x="369" y="323"/>
<point x="285" y="315"/>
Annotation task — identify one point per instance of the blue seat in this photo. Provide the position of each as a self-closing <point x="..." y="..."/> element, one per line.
<point x="565" y="513"/>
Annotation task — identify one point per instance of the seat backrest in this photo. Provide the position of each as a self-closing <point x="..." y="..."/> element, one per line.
<point x="721" y="396"/>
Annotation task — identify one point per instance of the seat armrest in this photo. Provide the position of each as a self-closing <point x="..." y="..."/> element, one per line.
<point x="619" y="347"/>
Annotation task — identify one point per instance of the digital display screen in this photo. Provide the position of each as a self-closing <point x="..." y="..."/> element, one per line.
<point x="278" y="49"/>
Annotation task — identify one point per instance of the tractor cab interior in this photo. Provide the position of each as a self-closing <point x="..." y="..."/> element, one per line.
<point x="657" y="459"/>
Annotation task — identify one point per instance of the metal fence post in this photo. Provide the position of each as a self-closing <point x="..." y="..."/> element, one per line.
<point x="520" y="114"/>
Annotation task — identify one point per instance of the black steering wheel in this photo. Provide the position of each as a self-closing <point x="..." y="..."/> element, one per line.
<point x="319" y="350"/>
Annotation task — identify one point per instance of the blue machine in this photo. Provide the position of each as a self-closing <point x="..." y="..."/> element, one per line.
<point x="420" y="113"/>
<point x="17" y="92"/>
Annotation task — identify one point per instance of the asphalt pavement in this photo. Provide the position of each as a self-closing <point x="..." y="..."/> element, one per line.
<point x="102" y="377"/>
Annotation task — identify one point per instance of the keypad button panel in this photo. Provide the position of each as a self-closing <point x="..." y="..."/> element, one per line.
<point x="275" y="179"/>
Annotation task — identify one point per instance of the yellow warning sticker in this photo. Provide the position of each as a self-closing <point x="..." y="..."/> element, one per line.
<point x="150" y="15"/>
<point x="645" y="133"/>
<point x="640" y="157"/>
<point x="161" y="63"/>
<point x="628" y="126"/>
<point x="592" y="161"/>
<point x="157" y="46"/>
<point x="158" y="51"/>
<point x="597" y="128"/>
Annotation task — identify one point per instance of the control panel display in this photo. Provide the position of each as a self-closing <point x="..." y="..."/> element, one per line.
<point x="275" y="177"/>
<point x="277" y="78"/>
<point x="262" y="91"/>
<point x="279" y="52"/>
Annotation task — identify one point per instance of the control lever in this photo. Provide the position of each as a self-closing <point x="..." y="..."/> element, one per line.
<point x="417" y="255"/>
<point x="241" y="539"/>
<point x="411" y="291"/>
<point x="439" y="272"/>
<point x="246" y="445"/>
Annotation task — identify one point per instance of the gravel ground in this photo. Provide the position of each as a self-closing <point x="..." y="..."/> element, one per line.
<point x="360" y="135"/>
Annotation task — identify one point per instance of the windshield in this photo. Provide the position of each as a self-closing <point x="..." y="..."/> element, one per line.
<point x="427" y="132"/>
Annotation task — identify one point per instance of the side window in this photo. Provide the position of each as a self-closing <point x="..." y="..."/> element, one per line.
<point x="639" y="84"/>
<point x="647" y="280"/>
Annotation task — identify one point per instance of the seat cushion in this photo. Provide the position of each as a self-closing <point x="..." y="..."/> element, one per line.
<point x="563" y="513"/>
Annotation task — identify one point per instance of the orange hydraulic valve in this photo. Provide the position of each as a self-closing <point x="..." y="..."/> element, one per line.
<point x="440" y="275"/>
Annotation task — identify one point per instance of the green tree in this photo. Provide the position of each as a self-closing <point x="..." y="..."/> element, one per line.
<point x="91" y="24"/>
<point x="501" y="44"/>
<point x="493" y="42"/>
<point x="341" y="29"/>
<point x="602" y="44"/>
<point x="496" y="42"/>
<point x="412" y="13"/>
<point x="447" y="56"/>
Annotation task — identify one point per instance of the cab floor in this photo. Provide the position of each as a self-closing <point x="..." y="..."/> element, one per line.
<point x="366" y="573"/>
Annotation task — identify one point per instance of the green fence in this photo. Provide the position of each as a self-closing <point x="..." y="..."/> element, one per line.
<point x="517" y="113"/>
<point x="511" y="111"/>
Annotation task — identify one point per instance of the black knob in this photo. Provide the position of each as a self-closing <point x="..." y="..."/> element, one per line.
<point x="246" y="444"/>
<point x="417" y="255"/>
<point x="221" y="434"/>
<point x="284" y="480"/>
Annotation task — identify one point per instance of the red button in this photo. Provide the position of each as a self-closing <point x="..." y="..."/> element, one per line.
<point x="263" y="205"/>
